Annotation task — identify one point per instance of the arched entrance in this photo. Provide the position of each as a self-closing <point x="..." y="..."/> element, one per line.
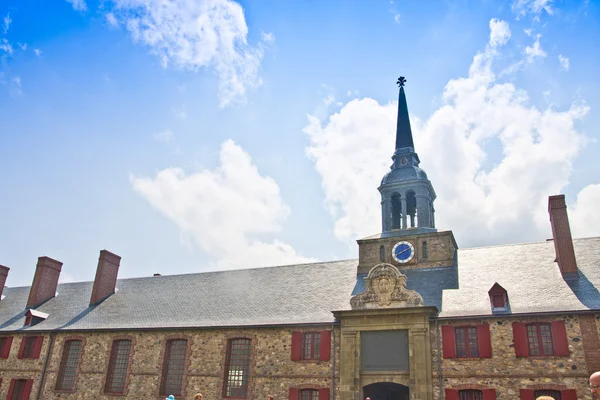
<point x="385" y="391"/>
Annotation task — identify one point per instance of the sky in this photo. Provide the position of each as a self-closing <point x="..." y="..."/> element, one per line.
<point x="200" y="135"/>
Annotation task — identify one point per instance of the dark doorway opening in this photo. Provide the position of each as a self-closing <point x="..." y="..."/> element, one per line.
<point x="386" y="391"/>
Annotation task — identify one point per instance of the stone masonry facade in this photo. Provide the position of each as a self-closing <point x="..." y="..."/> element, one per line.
<point x="272" y="371"/>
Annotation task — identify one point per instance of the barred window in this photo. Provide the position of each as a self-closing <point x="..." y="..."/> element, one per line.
<point x="117" y="366"/>
<point x="173" y="367"/>
<point x="68" y="365"/>
<point x="311" y="346"/>
<point x="237" y="368"/>
<point x="309" y="394"/>
<point x="470" y="395"/>
<point x="466" y="342"/>
<point x="29" y="346"/>
<point x="555" y="394"/>
<point x="539" y="337"/>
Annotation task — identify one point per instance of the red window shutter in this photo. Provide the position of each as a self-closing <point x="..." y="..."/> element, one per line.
<point x="448" y="340"/>
<point x="451" y="394"/>
<point x="294" y="393"/>
<point x="27" y="389"/>
<point x="325" y="350"/>
<point x="559" y="339"/>
<point x="484" y="341"/>
<point x="526" y="394"/>
<point x="520" y="340"/>
<point x="489" y="394"/>
<point x="296" y="339"/>
<point x="5" y="351"/>
<point x="567" y="394"/>
<point x="11" y="388"/>
<point x="37" y="348"/>
<point x="22" y="348"/>
<point x="323" y="393"/>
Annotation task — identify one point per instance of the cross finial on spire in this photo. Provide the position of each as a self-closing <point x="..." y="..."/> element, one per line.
<point x="401" y="81"/>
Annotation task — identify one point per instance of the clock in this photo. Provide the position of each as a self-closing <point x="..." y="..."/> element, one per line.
<point x="403" y="161"/>
<point x="403" y="252"/>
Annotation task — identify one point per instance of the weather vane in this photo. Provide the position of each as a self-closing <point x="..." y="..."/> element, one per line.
<point x="401" y="81"/>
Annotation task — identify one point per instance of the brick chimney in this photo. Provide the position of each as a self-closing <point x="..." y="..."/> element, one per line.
<point x="45" y="281"/>
<point x="561" y="233"/>
<point x="106" y="276"/>
<point x="3" y="274"/>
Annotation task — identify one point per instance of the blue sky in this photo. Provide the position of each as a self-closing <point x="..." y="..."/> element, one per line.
<point x="189" y="136"/>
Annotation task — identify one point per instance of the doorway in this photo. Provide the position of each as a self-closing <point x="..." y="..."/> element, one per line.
<point x="386" y="391"/>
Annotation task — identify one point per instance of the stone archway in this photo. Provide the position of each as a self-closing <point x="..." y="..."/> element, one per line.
<point x="386" y="391"/>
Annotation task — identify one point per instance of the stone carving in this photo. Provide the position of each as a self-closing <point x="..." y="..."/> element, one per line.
<point x="386" y="288"/>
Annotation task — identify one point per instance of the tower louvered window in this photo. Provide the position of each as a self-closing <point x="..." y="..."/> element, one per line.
<point x="173" y="368"/>
<point x="117" y="366"/>
<point x="237" y="368"/>
<point x="68" y="365"/>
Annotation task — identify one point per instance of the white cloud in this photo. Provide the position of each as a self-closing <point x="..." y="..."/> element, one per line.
<point x="483" y="200"/>
<point x="267" y="37"/>
<point x="164" y="136"/>
<point x="227" y="211"/>
<point x="584" y="215"/>
<point x="564" y="62"/>
<point x="37" y="52"/>
<point x="531" y="52"/>
<point x="7" y="22"/>
<point x="16" y="85"/>
<point x="78" y="5"/>
<point x="397" y="18"/>
<point x="533" y="7"/>
<point x="195" y="34"/>
<point x="23" y="46"/>
<point x="180" y="112"/>
<point x="499" y="32"/>
<point x="111" y="19"/>
<point x="6" y="46"/>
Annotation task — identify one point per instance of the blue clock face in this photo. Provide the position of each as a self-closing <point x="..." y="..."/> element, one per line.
<point x="403" y="252"/>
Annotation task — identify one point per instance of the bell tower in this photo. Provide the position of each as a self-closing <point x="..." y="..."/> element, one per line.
<point x="408" y="238"/>
<point x="406" y="193"/>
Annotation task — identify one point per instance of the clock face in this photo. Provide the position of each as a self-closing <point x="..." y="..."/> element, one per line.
<point x="403" y="161"/>
<point x="403" y="252"/>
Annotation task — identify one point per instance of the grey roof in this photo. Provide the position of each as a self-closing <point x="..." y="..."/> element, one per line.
<point x="294" y="294"/>
<point x="307" y="293"/>
<point x="530" y="276"/>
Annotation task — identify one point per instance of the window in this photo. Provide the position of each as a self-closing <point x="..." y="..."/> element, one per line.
<point x="31" y="347"/>
<point x="381" y="253"/>
<point x="68" y="365"/>
<point x="173" y="367"/>
<point x="5" y="343"/>
<point x="237" y="368"/>
<point x="425" y="252"/>
<point x="117" y="366"/>
<point x="309" y="394"/>
<point x="470" y="395"/>
<point x="19" y="389"/>
<point x="498" y="301"/>
<point x="311" y="344"/>
<point x="555" y="394"/>
<point x="539" y="337"/>
<point x="466" y="342"/>
<point x="498" y="298"/>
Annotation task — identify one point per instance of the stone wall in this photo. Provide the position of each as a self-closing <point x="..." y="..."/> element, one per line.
<point x="507" y="373"/>
<point x="440" y="251"/>
<point x="272" y="371"/>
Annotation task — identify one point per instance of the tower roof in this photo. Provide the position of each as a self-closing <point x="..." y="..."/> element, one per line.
<point x="403" y="132"/>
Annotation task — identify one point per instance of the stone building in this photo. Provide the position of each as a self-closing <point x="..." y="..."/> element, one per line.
<point x="413" y="318"/>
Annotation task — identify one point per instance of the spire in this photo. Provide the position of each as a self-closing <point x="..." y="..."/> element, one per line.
<point x="403" y="132"/>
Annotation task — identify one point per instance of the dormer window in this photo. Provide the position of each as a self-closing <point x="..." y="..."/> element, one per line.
<point x="34" y="317"/>
<point x="498" y="298"/>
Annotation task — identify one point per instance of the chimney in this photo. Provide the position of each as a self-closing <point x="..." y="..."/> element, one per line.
<point x="45" y="281"/>
<point x="106" y="276"/>
<point x="561" y="233"/>
<point x="3" y="274"/>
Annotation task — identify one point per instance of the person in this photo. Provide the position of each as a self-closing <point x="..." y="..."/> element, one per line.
<point x="270" y="397"/>
<point x="171" y="397"/>
<point x="595" y="384"/>
<point x="198" y="396"/>
<point x="544" y="398"/>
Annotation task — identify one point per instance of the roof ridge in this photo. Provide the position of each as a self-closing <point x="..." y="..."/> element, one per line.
<point x="526" y="243"/>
